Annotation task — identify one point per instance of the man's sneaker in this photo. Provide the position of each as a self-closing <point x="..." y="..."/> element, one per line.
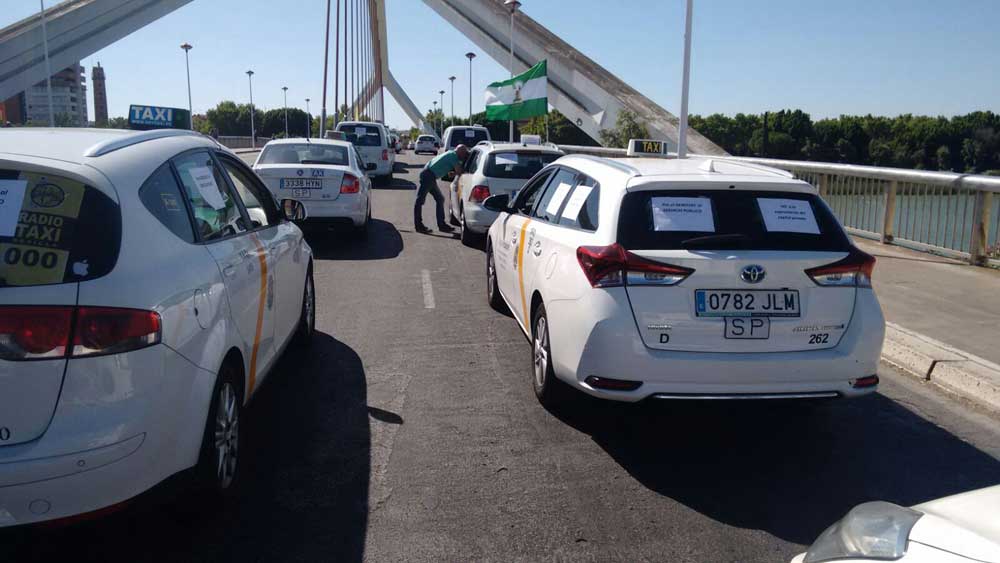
<point x="446" y="228"/>
<point x="421" y="229"/>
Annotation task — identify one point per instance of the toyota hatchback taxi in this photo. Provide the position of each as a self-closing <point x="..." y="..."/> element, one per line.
<point x="683" y="278"/>
<point x="148" y="285"/>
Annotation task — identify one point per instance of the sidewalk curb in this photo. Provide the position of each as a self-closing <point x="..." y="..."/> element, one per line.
<point x="958" y="372"/>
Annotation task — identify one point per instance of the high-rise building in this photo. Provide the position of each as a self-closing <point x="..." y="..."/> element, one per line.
<point x="100" y="96"/>
<point x="69" y="98"/>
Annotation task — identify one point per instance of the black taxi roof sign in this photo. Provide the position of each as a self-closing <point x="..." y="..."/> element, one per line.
<point x="143" y="118"/>
<point x="648" y="147"/>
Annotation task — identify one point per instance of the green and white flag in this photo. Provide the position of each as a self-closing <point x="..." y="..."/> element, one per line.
<point x="521" y="97"/>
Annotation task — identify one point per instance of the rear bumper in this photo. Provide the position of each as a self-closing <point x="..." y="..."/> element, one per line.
<point x="478" y="219"/>
<point x="382" y="168"/>
<point x="346" y="209"/>
<point x="116" y="433"/>
<point x="598" y="340"/>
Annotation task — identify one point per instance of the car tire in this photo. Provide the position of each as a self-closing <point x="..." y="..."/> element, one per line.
<point x="306" y="328"/>
<point x="548" y="389"/>
<point x="469" y="238"/>
<point x="218" y="465"/>
<point x="492" y="289"/>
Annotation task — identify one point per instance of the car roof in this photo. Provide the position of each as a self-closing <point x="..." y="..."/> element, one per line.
<point x="79" y="145"/>
<point x="375" y="123"/>
<point x="314" y="141"/>
<point x="639" y="172"/>
<point x="489" y="146"/>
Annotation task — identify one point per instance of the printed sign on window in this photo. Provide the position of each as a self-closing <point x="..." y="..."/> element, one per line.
<point x="11" y="198"/>
<point x="682" y="214"/>
<point x="470" y="133"/>
<point x="557" y="198"/>
<point x="788" y="215"/>
<point x="506" y="159"/>
<point x="576" y="201"/>
<point x="204" y="179"/>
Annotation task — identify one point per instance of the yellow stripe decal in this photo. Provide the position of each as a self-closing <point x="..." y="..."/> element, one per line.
<point x="520" y="272"/>
<point x="262" y="258"/>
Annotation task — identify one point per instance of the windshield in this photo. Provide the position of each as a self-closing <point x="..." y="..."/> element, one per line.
<point x="362" y="135"/>
<point x="425" y="139"/>
<point x="304" y="153"/>
<point x="517" y="165"/>
<point x="63" y="231"/>
<point x="728" y="220"/>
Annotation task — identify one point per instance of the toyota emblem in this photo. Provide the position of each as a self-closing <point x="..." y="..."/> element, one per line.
<point x="752" y="274"/>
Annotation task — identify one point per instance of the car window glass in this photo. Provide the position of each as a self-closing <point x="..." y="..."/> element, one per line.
<point x="466" y="136"/>
<point x="216" y="214"/>
<point x="257" y="201"/>
<point x="163" y="198"/>
<point x="304" y="153"/>
<point x="473" y="162"/>
<point x="581" y="208"/>
<point x="529" y="193"/>
<point x="517" y="165"/>
<point x="555" y="196"/>
<point x="362" y="135"/>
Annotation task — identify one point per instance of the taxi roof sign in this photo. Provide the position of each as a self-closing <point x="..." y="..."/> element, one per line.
<point x="143" y="118"/>
<point x="649" y="147"/>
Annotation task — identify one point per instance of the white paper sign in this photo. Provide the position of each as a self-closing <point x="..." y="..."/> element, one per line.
<point x="576" y="201"/>
<point x="788" y="215"/>
<point x="562" y="190"/>
<point x="470" y="133"/>
<point x="506" y="159"/>
<point x="11" y="197"/>
<point x="682" y="214"/>
<point x="204" y="180"/>
<point x="360" y="131"/>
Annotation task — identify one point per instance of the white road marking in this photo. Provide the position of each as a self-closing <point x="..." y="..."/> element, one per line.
<point x="425" y="278"/>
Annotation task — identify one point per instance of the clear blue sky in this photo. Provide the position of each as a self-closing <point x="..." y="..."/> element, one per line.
<point x="827" y="58"/>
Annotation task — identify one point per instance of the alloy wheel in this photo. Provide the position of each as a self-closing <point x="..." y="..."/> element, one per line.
<point x="227" y="433"/>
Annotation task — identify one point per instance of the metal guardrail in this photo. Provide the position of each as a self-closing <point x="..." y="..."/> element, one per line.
<point x="944" y="213"/>
<point x="234" y="142"/>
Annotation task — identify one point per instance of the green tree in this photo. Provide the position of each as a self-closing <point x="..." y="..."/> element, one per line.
<point x="626" y="127"/>
<point x="562" y="131"/>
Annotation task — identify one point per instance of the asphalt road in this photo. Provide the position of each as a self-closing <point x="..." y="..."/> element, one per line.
<point x="409" y="433"/>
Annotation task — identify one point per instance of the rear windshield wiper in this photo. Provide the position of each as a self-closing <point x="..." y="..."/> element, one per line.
<point x="715" y="239"/>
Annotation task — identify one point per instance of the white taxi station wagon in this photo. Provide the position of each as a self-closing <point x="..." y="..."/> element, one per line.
<point x="148" y="284"/>
<point x="683" y="278"/>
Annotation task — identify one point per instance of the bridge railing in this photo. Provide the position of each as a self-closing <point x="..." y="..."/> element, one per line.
<point x="235" y="142"/>
<point x="946" y="213"/>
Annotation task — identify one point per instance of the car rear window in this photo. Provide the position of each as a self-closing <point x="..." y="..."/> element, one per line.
<point x="55" y="230"/>
<point x="517" y="165"/>
<point x="425" y="138"/>
<point x="728" y="220"/>
<point x="304" y="153"/>
<point x="363" y="135"/>
<point x="467" y="137"/>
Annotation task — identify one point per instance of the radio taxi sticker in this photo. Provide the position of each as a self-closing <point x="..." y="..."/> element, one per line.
<point x="788" y="215"/>
<point x="11" y="196"/>
<point x="204" y="180"/>
<point x="37" y="251"/>
<point x="692" y="214"/>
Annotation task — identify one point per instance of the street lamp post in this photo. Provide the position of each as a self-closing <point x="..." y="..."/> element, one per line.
<point x="434" y="125"/>
<point x="187" y="47"/>
<point x="452" y="79"/>
<point x="442" y="111"/>
<point x="309" y="120"/>
<point x="512" y="5"/>
<point x="284" y="90"/>
<point x="326" y="56"/>
<point x="253" y="131"/>
<point x="470" y="56"/>
<point x="685" y="81"/>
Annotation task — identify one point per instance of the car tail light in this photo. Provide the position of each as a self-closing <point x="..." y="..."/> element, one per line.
<point x="613" y="266"/>
<point x="33" y="332"/>
<point x="30" y="333"/>
<point x="855" y="270"/>
<point x="479" y="193"/>
<point x="103" y="330"/>
<point x="350" y="185"/>
<point x="863" y="382"/>
<point x="385" y="154"/>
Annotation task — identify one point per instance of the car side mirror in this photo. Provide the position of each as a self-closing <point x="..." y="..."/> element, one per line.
<point x="293" y="209"/>
<point x="369" y="166"/>
<point x="498" y="203"/>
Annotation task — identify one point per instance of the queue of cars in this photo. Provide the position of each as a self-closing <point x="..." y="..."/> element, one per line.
<point x="118" y="370"/>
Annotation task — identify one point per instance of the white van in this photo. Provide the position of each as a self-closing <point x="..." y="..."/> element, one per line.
<point x="466" y="135"/>
<point x="372" y="142"/>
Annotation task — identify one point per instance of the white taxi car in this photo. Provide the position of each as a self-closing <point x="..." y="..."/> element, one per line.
<point x="961" y="528"/>
<point x="148" y="285"/>
<point x="372" y="141"/>
<point x="491" y="169"/>
<point x="426" y="144"/>
<point x="683" y="278"/>
<point x="328" y="177"/>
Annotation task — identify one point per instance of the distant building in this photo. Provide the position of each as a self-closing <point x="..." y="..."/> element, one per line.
<point x="100" y="96"/>
<point x="69" y="98"/>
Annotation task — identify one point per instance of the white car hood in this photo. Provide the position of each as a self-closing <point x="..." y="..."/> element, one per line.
<point x="967" y="524"/>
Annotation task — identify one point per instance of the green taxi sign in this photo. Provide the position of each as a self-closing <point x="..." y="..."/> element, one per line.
<point x="143" y="118"/>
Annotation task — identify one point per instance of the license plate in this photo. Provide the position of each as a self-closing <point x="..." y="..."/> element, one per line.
<point x="302" y="194"/>
<point x="301" y="183"/>
<point x="746" y="303"/>
<point x="748" y="328"/>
